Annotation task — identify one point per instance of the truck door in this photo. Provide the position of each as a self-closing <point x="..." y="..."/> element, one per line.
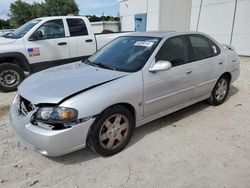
<point x="48" y="44"/>
<point x="81" y="42"/>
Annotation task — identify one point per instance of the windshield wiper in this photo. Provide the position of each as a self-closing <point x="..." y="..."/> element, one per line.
<point x="105" y="66"/>
<point x="87" y="61"/>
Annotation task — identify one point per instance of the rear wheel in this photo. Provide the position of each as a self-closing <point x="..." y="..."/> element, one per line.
<point x="112" y="131"/>
<point x="220" y="91"/>
<point x="11" y="76"/>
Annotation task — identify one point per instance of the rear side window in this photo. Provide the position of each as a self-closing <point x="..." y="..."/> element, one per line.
<point x="201" y="47"/>
<point x="174" y="50"/>
<point x="77" y="27"/>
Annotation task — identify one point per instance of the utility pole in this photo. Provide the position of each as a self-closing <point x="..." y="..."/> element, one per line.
<point x="234" y="16"/>
<point x="198" y="21"/>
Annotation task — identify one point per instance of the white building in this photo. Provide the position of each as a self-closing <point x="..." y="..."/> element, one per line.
<point x="151" y="15"/>
<point x="228" y="21"/>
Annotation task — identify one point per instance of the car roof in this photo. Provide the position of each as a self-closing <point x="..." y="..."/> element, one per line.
<point x="163" y="34"/>
<point x="58" y="17"/>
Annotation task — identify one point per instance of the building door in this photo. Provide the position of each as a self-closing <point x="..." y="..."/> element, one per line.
<point x="140" y="22"/>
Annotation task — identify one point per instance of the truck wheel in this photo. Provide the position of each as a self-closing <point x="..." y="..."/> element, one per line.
<point x="112" y="131"/>
<point x="11" y="76"/>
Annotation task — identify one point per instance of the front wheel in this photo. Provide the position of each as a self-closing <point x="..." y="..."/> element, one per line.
<point x="112" y="131"/>
<point x="220" y="91"/>
<point x="10" y="77"/>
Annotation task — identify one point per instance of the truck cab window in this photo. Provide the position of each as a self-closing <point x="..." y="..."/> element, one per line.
<point x="77" y="27"/>
<point x="51" y="29"/>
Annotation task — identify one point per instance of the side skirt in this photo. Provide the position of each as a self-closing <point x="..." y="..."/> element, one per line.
<point x="169" y="111"/>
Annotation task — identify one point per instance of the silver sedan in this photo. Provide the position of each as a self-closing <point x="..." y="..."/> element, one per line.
<point x="131" y="81"/>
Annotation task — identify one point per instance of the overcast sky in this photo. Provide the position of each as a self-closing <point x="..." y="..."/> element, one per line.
<point x="87" y="7"/>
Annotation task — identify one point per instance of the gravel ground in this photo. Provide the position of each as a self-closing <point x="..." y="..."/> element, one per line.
<point x="200" y="146"/>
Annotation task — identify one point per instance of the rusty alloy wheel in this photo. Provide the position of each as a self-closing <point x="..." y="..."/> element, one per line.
<point x="114" y="131"/>
<point x="111" y="131"/>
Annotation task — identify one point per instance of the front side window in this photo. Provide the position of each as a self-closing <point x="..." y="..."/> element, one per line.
<point x="51" y="30"/>
<point x="201" y="47"/>
<point x="128" y="54"/>
<point x="77" y="27"/>
<point x="174" y="50"/>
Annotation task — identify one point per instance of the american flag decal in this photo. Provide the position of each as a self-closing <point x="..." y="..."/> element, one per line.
<point x="33" y="52"/>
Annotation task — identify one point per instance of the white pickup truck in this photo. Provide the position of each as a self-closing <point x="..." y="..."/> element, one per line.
<point x="45" y="42"/>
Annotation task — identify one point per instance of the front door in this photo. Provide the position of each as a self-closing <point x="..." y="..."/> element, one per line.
<point x="167" y="89"/>
<point x="50" y="44"/>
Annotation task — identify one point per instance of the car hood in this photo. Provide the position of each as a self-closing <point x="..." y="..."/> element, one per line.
<point x="6" y="40"/>
<point x="55" y="84"/>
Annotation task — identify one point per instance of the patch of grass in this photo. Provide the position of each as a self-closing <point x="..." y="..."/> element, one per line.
<point x="4" y="110"/>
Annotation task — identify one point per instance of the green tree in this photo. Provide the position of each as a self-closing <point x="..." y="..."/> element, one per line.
<point x="20" y="12"/>
<point x="38" y="10"/>
<point x="5" y="24"/>
<point x="93" y="18"/>
<point x="60" y="7"/>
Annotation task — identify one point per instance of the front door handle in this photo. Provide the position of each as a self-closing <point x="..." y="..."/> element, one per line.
<point x="220" y="63"/>
<point x="62" y="43"/>
<point x="89" y="40"/>
<point x="189" y="72"/>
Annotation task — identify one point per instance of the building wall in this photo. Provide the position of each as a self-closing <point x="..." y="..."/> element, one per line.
<point x="161" y="14"/>
<point x="153" y="15"/>
<point x="241" y="36"/>
<point x="175" y="15"/>
<point x="129" y="8"/>
<point x="215" y="17"/>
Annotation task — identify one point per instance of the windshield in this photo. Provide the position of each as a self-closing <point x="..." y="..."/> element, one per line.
<point x="128" y="54"/>
<point x="21" y="31"/>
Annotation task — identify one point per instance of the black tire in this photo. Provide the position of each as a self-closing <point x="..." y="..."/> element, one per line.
<point x="11" y="76"/>
<point x="216" y="99"/>
<point x="99" y="129"/>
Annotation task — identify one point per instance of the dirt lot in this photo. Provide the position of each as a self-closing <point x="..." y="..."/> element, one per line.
<point x="200" y="146"/>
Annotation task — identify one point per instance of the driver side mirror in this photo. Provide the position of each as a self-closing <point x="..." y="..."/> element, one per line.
<point x="160" y="66"/>
<point x="37" y="35"/>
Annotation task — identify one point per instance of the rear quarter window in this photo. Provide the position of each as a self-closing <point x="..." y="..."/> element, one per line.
<point x="201" y="47"/>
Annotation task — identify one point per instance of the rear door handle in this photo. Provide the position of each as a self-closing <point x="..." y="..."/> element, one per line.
<point x="62" y="43"/>
<point x="220" y="63"/>
<point x="189" y="72"/>
<point x="89" y="40"/>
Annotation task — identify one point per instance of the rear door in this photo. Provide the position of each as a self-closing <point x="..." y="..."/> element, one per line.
<point x="208" y="64"/>
<point x="51" y="45"/>
<point x="81" y="42"/>
<point x="167" y="89"/>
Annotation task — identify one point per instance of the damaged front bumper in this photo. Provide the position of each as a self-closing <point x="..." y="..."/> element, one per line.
<point x="48" y="142"/>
